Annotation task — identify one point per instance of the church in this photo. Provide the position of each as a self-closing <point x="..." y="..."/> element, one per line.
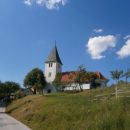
<point x="53" y="65"/>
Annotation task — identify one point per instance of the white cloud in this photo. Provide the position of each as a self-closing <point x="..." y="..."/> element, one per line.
<point x="28" y="2"/>
<point x="127" y="37"/>
<point x="98" y="30"/>
<point x="125" y="50"/>
<point x="98" y="45"/>
<point x="50" y="4"/>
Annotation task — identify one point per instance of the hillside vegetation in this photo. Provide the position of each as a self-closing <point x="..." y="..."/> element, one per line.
<point x="79" y="111"/>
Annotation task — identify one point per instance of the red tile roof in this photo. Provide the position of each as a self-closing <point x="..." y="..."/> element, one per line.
<point x="71" y="76"/>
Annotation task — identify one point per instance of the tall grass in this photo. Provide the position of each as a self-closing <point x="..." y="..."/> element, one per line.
<point x="72" y="112"/>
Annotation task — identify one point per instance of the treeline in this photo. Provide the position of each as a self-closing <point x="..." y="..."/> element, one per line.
<point x="34" y="82"/>
<point x="7" y="88"/>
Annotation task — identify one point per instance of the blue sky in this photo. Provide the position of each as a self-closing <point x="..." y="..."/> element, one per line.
<point x="90" y="32"/>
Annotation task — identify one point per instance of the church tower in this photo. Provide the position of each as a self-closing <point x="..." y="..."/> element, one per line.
<point x="53" y="65"/>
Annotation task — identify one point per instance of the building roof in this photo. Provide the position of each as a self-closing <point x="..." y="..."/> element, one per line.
<point x="71" y="76"/>
<point x="54" y="56"/>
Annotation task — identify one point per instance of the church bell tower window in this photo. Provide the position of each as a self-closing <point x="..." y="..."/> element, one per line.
<point x="49" y="75"/>
<point x="50" y="65"/>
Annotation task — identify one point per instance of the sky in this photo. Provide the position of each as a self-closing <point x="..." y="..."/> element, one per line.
<point x="95" y="33"/>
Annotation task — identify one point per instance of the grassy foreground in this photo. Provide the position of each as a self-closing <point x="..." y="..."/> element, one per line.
<point x="72" y="112"/>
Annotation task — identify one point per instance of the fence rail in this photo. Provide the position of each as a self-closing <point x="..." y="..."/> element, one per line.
<point x="109" y="95"/>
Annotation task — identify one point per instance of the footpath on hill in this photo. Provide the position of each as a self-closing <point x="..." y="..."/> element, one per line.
<point x="9" y="123"/>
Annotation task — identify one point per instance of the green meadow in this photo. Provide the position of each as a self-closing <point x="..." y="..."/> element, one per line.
<point x="74" y="111"/>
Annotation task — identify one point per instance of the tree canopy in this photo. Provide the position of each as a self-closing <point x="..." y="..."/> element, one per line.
<point x="80" y="76"/>
<point x="57" y="82"/>
<point x="117" y="74"/>
<point x="7" y="88"/>
<point x="127" y="75"/>
<point x="35" y="79"/>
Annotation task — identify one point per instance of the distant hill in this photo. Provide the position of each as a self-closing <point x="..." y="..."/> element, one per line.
<point x="77" y="111"/>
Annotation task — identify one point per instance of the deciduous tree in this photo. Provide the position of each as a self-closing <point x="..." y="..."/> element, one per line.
<point x="80" y="76"/>
<point x="35" y="79"/>
<point x="116" y="75"/>
<point x="127" y="75"/>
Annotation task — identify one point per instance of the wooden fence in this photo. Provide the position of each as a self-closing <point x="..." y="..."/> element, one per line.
<point x="120" y="93"/>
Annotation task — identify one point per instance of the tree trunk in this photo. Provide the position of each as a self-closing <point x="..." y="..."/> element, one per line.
<point x="126" y="80"/>
<point x="34" y="92"/>
<point x="81" y="89"/>
<point x="116" y="89"/>
<point x="42" y="92"/>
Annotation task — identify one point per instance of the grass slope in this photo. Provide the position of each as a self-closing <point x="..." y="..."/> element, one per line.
<point x="72" y="112"/>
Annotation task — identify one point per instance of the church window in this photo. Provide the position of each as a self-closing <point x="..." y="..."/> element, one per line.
<point x="50" y="65"/>
<point x="49" y="75"/>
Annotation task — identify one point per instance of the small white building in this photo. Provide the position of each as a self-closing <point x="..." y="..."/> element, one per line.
<point x="91" y="80"/>
<point x="77" y="87"/>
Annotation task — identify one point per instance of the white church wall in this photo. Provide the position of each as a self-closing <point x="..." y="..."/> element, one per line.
<point x="77" y="87"/>
<point x="50" y="70"/>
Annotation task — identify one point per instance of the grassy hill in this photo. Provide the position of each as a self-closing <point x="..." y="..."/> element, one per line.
<point x="80" y="111"/>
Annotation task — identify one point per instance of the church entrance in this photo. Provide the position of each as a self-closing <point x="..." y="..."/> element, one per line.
<point x="49" y="91"/>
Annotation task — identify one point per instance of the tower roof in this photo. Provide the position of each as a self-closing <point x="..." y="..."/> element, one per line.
<point x="54" y="56"/>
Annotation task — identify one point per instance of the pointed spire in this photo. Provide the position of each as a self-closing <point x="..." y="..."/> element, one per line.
<point x="54" y="56"/>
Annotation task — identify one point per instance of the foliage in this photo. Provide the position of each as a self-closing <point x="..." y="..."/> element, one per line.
<point x="127" y="74"/>
<point x="57" y="82"/>
<point x="20" y="94"/>
<point x="7" y="88"/>
<point x="117" y="74"/>
<point x="80" y="76"/>
<point x="95" y="82"/>
<point x="35" y="79"/>
<point x="11" y="87"/>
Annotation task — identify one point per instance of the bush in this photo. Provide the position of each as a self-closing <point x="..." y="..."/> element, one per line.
<point x="20" y="94"/>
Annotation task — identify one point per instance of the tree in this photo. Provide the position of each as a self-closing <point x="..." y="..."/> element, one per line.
<point x="36" y="80"/>
<point x="7" y="88"/>
<point x="116" y="75"/>
<point x="57" y="82"/>
<point x="127" y="75"/>
<point x="92" y="77"/>
<point x="1" y="90"/>
<point x="71" y="80"/>
<point x="80" y="76"/>
<point x="11" y="87"/>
